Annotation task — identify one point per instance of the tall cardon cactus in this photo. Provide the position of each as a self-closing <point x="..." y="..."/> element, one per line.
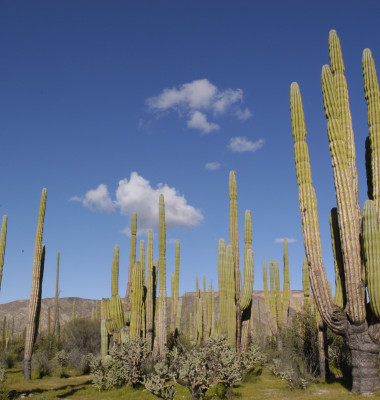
<point x="55" y="318"/>
<point x="358" y="235"/>
<point x="36" y="290"/>
<point x="132" y="259"/>
<point x="230" y="280"/>
<point x="161" y="328"/>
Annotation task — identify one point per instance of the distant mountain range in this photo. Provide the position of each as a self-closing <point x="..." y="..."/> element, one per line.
<point x="18" y="310"/>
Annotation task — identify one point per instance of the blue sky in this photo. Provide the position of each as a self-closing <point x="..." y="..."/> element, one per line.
<point x="109" y="103"/>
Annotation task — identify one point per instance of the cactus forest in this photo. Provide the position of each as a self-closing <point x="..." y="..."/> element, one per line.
<point x="231" y="316"/>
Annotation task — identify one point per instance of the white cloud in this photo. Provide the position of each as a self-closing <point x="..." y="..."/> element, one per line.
<point x="199" y="95"/>
<point x="136" y="194"/>
<point x="241" y="144"/>
<point x="281" y="240"/>
<point x="198" y="120"/>
<point x="97" y="199"/>
<point x="226" y="99"/>
<point x="212" y="166"/>
<point x="243" y="115"/>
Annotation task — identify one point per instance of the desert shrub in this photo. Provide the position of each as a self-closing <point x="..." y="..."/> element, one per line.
<point x="161" y="381"/>
<point x="47" y="344"/>
<point x="41" y="364"/>
<point x="253" y="358"/>
<point x="79" y="338"/>
<point x="7" y="358"/>
<point x="83" y="335"/>
<point x="4" y="393"/>
<point x="123" y="366"/>
<point x="339" y="353"/>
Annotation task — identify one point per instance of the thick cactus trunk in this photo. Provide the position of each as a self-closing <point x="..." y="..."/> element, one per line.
<point x="364" y="354"/>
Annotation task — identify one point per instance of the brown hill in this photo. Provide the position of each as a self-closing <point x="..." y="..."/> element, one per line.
<point x="18" y="310"/>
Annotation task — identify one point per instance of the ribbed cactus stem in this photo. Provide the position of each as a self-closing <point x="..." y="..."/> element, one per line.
<point x="371" y="90"/>
<point x="371" y="246"/>
<point x="265" y="282"/>
<point x="272" y="290"/>
<point x="137" y="299"/>
<point x="175" y="282"/>
<point x="179" y="315"/>
<point x="3" y="236"/>
<point x="234" y="236"/>
<point x="161" y="334"/>
<point x="210" y="294"/>
<point x="230" y="296"/>
<point x="132" y="259"/>
<point x="348" y="218"/>
<point x="305" y="285"/>
<point x="204" y="310"/>
<point x="200" y="321"/>
<point x="246" y="294"/>
<point x="309" y="214"/>
<point x="278" y="295"/>
<point x="115" y="272"/>
<point x="36" y="290"/>
<point x="286" y="288"/>
<point x="222" y="286"/>
<point x="150" y="293"/>
<point x="104" y="339"/>
<point x="340" y="294"/>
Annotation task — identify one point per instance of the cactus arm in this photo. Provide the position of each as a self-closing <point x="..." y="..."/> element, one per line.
<point x="115" y="272"/>
<point x="371" y="90"/>
<point x="137" y="299"/>
<point x="340" y="294"/>
<point x="309" y="216"/>
<point x="230" y="296"/>
<point x="246" y="295"/>
<point x="3" y="236"/>
<point x="178" y="315"/>
<point x="349" y="223"/>
<point x="371" y="246"/>
<point x="272" y="289"/>
<point x="222" y="285"/>
<point x="340" y="83"/>
<point x="234" y="236"/>
<point x="56" y="297"/>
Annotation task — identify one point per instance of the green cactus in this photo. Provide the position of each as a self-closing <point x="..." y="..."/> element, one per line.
<point x="3" y="236"/>
<point x="104" y="339"/>
<point x="175" y="286"/>
<point x="306" y="286"/>
<point x="161" y="331"/>
<point x="178" y="315"/>
<point x="115" y="306"/>
<point x="36" y="290"/>
<point x="357" y="321"/>
<point x="132" y="259"/>
<point x="265" y="281"/>
<point x="286" y="287"/>
<point x="137" y="299"/>
<point x="204" y="311"/>
<point x="230" y="285"/>
<point x="272" y="290"/>
<point x="278" y="294"/>
<point x="150" y="292"/>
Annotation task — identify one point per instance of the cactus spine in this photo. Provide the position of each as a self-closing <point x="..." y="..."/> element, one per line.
<point x="36" y="290"/>
<point x="162" y="334"/>
<point x="3" y="236"/>
<point x="357" y="322"/>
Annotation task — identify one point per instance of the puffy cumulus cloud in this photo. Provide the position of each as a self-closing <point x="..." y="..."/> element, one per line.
<point x="98" y="199"/>
<point x="199" y="95"/>
<point x="281" y="240"/>
<point x="240" y="144"/>
<point x="212" y="166"/>
<point x="198" y="120"/>
<point x="136" y="194"/>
